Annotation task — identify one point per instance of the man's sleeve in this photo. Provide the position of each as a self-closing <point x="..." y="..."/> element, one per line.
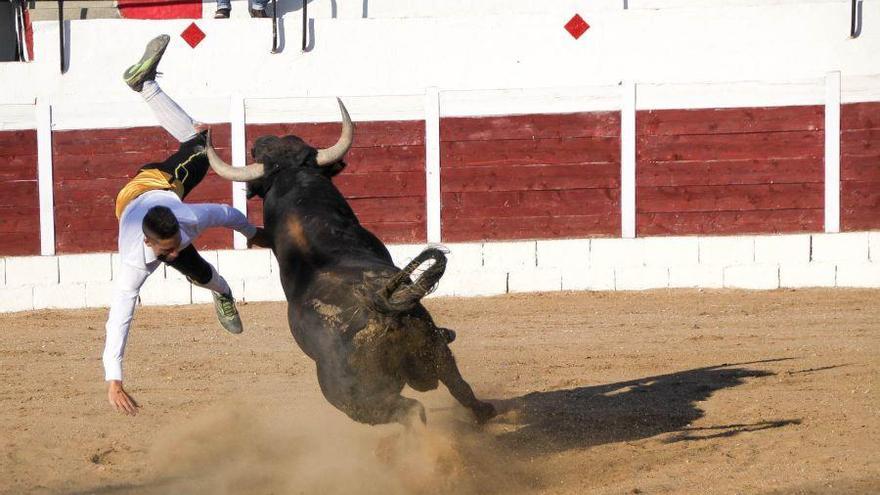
<point x="211" y="215"/>
<point x="125" y="293"/>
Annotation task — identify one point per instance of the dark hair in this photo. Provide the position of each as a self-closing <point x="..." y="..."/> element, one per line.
<point x="160" y="223"/>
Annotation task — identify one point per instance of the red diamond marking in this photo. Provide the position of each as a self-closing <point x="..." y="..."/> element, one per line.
<point x="577" y="26"/>
<point x="193" y="35"/>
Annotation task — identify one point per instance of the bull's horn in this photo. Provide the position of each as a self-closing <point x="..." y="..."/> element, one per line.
<point x="335" y="153"/>
<point x="228" y="172"/>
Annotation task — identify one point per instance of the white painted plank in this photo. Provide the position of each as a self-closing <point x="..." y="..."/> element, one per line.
<point x="17" y="116"/>
<point x="628" y="160"/>
<point x="44" y="177"/>
<point x="857" y="89"/>
<point x="832" y="152"/>
<point x="323" y="108"/>
<point x="730" y="94"/>
<point x="521" y="101"/>
<point x="239" y="154"/>
<point x="432" y="163"/>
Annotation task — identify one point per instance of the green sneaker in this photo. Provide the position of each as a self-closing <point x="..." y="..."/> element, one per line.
<point x="145" y="70"/>
<point x="224" y="304"/>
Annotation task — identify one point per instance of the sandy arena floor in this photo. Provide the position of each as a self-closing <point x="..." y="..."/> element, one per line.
<point x="608" y="393"/>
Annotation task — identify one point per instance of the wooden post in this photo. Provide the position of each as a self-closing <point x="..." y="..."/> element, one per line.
<point x="432" y="163"/>
<point x="239" y="155"/>
<point x="832" y="152"/>
<point x="44" y="177"/>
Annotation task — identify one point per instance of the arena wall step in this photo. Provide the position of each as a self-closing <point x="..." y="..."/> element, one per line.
<point x="47" y="10"/>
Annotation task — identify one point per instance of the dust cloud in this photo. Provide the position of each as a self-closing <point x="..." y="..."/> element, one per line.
<point x="240" y="449"/>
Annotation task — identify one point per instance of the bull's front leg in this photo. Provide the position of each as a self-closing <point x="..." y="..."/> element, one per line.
<point x="459" y="388"/>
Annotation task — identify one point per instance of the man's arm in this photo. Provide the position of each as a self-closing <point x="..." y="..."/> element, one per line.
<point x="215" y="215"/>
<point x="125" y="293"/>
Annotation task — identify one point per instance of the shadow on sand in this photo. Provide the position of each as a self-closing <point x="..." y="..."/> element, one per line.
<point x="582" y="417"/>
<point x="541" y="423"/>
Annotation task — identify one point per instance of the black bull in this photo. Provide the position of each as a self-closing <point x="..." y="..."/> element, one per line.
<point x="349" y="308"/>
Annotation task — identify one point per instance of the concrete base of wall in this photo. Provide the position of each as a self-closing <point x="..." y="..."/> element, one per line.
<point x="492" y="268"/>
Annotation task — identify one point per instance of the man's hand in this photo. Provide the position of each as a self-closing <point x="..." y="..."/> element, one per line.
<point x="120" y="399"/>
<point x="260" y="239"/>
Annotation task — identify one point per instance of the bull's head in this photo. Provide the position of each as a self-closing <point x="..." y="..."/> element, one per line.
<point x="273" y="154"/>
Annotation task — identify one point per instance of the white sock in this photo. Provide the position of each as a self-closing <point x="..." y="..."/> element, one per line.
<point x="173" y="118"/>
<point x="216" y="284"/>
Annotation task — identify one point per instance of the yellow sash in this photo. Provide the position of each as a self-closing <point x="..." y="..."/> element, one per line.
<point x="146" y="180"/>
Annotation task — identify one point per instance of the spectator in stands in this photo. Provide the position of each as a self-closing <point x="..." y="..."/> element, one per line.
<point x="156" y="227"/>
<point x="257" y="8"/>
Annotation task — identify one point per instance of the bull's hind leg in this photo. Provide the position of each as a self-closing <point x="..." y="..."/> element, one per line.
<point x="346" y="392"/>
<point x="451" y="377"/>
<point x="389" y="409"/>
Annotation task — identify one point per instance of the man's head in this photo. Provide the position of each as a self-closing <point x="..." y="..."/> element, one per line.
<point x="162" y="233"/>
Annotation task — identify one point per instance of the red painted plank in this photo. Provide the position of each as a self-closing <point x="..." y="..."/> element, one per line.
<point x="28" y="34"/>
<point x="398" y="232"/>
<point x="19" y="219"/>
<point x="19" y="199"/>
<point x="529" y="203"/>
<point x="860" y="168"/>
<point x="796" y="144"/>
<point x="163" y="9"/>
<point x="159" y="149"/>
<point x="152" y="139"/>
<point x="861" y="195"/>
<point x="385" y="159"/>
<point x="527" y="152"/>
<point x="859" y="219"/>
<point x="730" y="222"/>
<point x="117" y="136"/>
<point x="212" y="189"/>
<point x="217" y="238"/>
<point x="377" y="210"/>
<point x="530" y="177"/>
<point x="18" y="168"/>
<point x="367" y="134"/>
<point x="78" y="192"/>
<point x="255" y="211"/>
<point x="18" y="143"/>
<point x="860" y="116"/>
<point x="861" y="142"/>
<point x="730" y="120"/>
<point x="20" y="243"/>
<point x="534" y="126"/>
<point x="729" y="197"/>
<point x="100" y="240"/>
<point x="70" y="166"/>
<point x="84" y="218"/>
<point x="724" y="172"/>
<point x="381" y="185"/>
<point x="525" y="227"/>
<point x="18" y="192"/>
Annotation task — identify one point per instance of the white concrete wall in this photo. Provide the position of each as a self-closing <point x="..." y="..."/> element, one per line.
<point x="492" y="268"/>
<point x="685" y="53"/>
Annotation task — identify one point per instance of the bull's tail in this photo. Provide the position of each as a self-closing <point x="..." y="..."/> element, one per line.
<point x="402" y="292"/>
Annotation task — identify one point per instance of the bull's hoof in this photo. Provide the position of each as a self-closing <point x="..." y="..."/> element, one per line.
<point x="483" y="412"/>
<point x="413" y="416"/>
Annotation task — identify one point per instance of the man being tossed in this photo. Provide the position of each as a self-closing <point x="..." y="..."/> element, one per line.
<point x="156" y="226"/>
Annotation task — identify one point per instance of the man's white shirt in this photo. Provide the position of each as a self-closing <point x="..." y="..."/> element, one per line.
<point x="137" y="260"/>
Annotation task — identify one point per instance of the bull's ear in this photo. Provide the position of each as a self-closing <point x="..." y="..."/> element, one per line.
<point x="333" y="169"/>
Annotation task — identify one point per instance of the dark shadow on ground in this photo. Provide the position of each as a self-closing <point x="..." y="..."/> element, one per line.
<point x="583" y="417"/>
